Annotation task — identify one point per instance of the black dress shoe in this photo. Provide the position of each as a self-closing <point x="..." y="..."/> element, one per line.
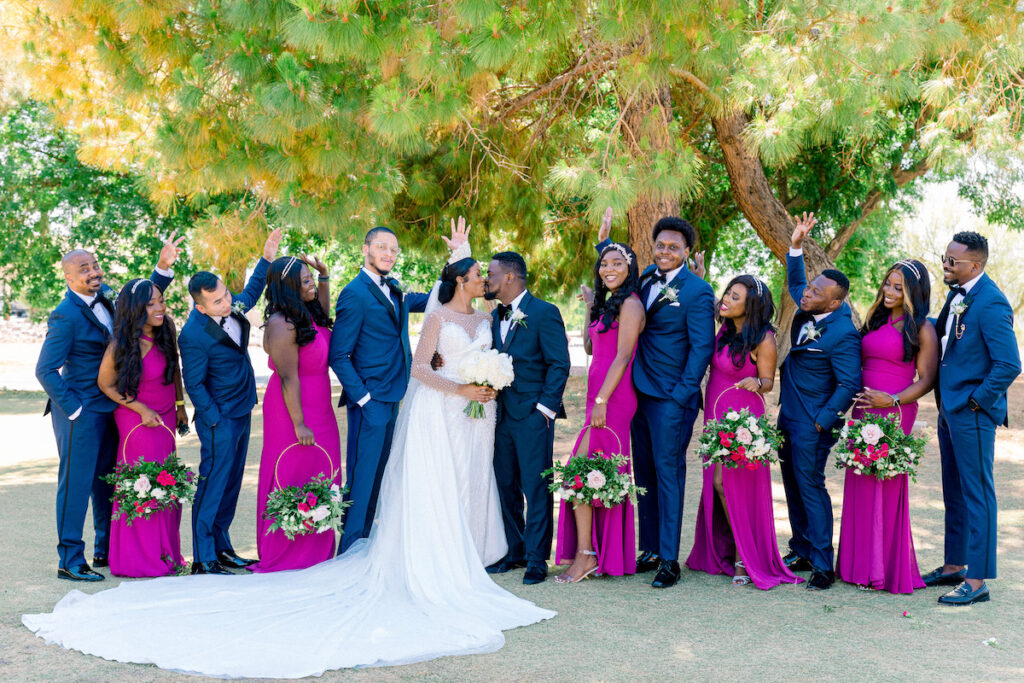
<point x="82" y="572"/>
<point x="937" y="578"/>
<point x="100" y="561"/>
<point x="535" y="573"/>
<point x="667" y="576"/>
<point x="821" y="581"/>
<point x="502" y="566"/>
<point x="795" y="563"/>
<point x="209" y="568"/>
<point x="229" y="559"/>
<point x="964" y="595"/>
<point x="647" y="562"/>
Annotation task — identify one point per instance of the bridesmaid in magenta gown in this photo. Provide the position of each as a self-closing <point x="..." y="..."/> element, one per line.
<point x="735" y="532"/>
<point x="300" y="431"/>
<point x="876" y="547"/>
<point x="603" y="540"/>
<point x="140" y="373"/>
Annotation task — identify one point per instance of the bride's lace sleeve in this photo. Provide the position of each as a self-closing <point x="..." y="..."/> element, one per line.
<point x="421" y="369"/>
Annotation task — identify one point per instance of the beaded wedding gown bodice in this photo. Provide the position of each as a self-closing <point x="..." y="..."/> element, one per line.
<point x="415" y="589"/>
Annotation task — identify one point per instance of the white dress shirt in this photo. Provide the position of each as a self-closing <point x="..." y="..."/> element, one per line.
<point x="957" y="298"/>
<point x="231" y="326"/>
<point x="379" y="281"/>
<point x="657" y="287"/>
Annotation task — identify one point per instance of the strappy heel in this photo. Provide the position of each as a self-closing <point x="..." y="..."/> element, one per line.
<point x="564" y="576"/>
<point x="740" y="580"/>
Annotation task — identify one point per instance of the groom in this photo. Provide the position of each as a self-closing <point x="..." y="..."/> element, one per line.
<point x="979" y="362"/>
<point x="531" y="331"/>
<point x="77" y="335"/>
<point x="371" y="356"/>
<point x="820" y="377"/>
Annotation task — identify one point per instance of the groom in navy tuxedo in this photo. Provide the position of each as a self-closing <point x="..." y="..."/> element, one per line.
<point x="77" y="335"/>
<point x="820" y="378"/>
<point x="979" y="362"/>
<point x="672" y="356"/>
<point x="218" y="376"/>
<point x="371" y="356"/>
<point x="531" y="331"/>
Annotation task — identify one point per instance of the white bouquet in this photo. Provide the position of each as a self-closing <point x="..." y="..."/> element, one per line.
<point x="488" y="368"/>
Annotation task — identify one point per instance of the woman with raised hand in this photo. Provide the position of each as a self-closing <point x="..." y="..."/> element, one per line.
<point x="300" y="431"/>
<point x="603" y="540"/>
<point x="140" y="373"/>
<point x="735" y="532"/>
<point x="900" y="353"/>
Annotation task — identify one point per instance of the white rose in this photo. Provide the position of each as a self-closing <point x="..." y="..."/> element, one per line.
<point x="142" y="485"/>
<point x="871" y="433"/>
<point x="744" y="436"/>
<point x="732" y="415"/>
<point x="159" y="493"/>
<point x="320" y="513"/>
<point x="595" y="479"/>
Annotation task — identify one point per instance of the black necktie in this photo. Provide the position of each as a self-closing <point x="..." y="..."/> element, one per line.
<point x="957" y="289"/>
<point x="657" y="277"/>
<point x="504" y="311"/>
<point x="223" y="322"/>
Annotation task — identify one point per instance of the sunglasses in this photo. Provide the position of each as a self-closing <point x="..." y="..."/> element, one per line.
<point x="951" y="262"/>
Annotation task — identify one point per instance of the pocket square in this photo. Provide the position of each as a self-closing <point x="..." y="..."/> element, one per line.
<point x="674" y="303"/>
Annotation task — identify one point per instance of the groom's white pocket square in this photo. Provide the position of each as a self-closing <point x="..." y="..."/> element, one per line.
<point x="674" y="303"/>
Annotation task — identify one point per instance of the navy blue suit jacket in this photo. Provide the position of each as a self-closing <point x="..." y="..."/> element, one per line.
<point x="69" y="361"/>
<point x="540" y="356"/>
<point x="370" y="351"/>
<point x="821" y="376"/>
<point x="981" y="358"/>
<point x="217" y="372"/>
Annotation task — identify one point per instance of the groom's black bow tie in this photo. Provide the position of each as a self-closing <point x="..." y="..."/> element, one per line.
<point x="658" y="276"/>
<point x="224" y="321"/>
<point x="504" y="311"/>
<point x="957" y="289"/>
<point x="100" y="299"/>
<point x="392" y="284"/>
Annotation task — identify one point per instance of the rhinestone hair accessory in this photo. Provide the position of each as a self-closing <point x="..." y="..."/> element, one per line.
<point x="910" y="264"/>
<point x="621" y="249"/>
<point x="136" y="285"/>
<point x="291" y="262"/>
<point x="759" y="286"/>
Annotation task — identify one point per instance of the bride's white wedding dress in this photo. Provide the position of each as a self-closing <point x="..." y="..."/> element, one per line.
<point x="414" y="590"/>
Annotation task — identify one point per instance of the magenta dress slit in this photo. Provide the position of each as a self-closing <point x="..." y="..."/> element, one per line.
<point x="613" y="536"/>
<point x="283" y="465"/>
<point x="749" y="531"/>
<point x="876" y="546"/>
<point x="150" y="546"/>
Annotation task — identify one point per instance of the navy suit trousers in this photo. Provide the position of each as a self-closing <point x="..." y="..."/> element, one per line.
<point x="802" y="458"/>
<point x="87" y="448"/>
<point x="370" y="430"/>
<point x="967" y="442"/>
<point x="222" y="452"/>
<point x="661" y="432"/>
<point x="523" y="449"/>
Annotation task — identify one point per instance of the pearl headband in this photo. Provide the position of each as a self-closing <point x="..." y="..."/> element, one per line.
<point x="910" y="264"/>
<point x="291" y="262"/>
<point x="757" y="284"/>
<point x="622" y="250"/>
<point x="136" y="285"/>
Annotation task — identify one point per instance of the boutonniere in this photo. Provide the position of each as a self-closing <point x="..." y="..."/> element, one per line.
<point x="812" y="332"/>
<point x="518" y="318"/>
<point x="110" y="295"/>
<point x="959" y="308"/>
<point x="670" y="294"/>
<point x="238" y="307"/>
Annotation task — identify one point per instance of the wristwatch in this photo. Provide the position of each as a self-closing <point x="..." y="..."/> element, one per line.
<point x="895" y="400"/>
<point x="598" y="401"/>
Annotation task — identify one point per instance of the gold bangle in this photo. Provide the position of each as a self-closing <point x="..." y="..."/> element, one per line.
<point x="179" y="404"/>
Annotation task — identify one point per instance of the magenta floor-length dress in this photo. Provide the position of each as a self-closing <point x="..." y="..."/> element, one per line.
<point x="614" y="536"/>
<point x="749" y="531"/>
<point x="876" y="547"/>
<point x="150" y="546"/>
<point x="286" y="464"/>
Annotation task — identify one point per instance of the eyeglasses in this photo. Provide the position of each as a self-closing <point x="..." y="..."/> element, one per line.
<point x="385" y="249"/>
<point x="951" y="262"/>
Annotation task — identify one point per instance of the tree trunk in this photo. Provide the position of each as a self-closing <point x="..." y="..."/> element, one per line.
<point x="646" y="118"/>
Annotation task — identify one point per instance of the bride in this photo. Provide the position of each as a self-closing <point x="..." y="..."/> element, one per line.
<point x="415" y="589"/>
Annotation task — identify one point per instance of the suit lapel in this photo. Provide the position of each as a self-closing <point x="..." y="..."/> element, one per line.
<point x="246" y="328"/>
<point x="662" y="300"/>
<point x="218" y="333"/>
<point x="968" y="300"/>
<point x="523" y="303"/>
<point x="379" y="295"/>
<point x="940" y="322"/>
<point x="89" y="315"/>
<point x="495" y="330"/>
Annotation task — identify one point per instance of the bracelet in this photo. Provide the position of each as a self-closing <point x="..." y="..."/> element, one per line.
<point x="179" y="404"/>
<point x="324" y="278"/>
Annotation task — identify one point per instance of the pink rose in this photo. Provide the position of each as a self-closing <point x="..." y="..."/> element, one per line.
<point x="303" y="507"/>
<point x="165" y="478"/>
<point x="577" y="482"/>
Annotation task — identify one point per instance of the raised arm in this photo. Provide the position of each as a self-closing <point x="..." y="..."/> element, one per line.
<point x="107" y="381"/>
<point x="279" y="340"/>
<point x="796" y="274"/>
<point x="60" y="335"/>
<point x="631" y="322"/>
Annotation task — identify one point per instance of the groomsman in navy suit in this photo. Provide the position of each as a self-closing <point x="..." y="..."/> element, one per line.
<point x="672" y="356"/>
<point x="820" y="378"/>
<point x="371" y="356"/>
<point x="77" y="335"/>
<point x="979" y="362"/>
<point x="531" y="331"/>
<point x="218" y="375"/>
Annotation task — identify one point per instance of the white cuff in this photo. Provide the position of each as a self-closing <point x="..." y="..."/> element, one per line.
<point x="796" y="252"/>
<point x="547" y="411"/>
<point x="166" y="273"/>
<point x="75" y="414"/>
<point x="363" y="401"/>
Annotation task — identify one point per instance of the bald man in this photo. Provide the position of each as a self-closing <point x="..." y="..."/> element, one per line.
<point x="78" y="332"/>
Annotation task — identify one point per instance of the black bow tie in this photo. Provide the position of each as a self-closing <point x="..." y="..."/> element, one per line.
<point x="957" y="289"/>
<point x="658" y="276"/>
<point x="224" y="321"/>
<point x="99" y="299"/>
<point x="392" y="284"/>
<point x="504" y="311"/>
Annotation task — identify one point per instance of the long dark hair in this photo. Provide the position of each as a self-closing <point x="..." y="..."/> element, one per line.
<point x="606" y="308"/>
<point x="757" y="321"/>
<point x="129" y="317"/>
<point x="917" y="292"/>
<point x="451" y="271"/>
<point x="284" y="296"/>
